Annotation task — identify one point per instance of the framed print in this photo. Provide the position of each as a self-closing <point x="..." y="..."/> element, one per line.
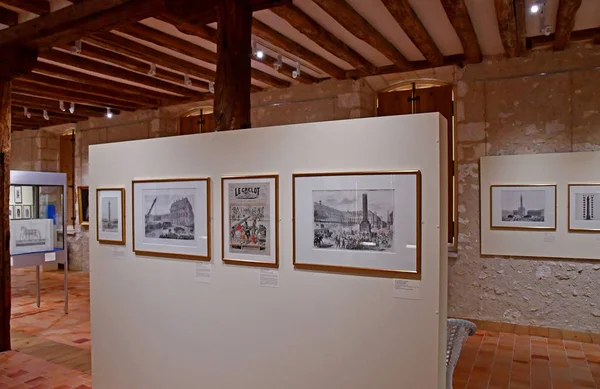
<point x="11" y="195"/>
<point x="18" y="212"/>
<point x="171" y="218"/>
<point x="10" y="212"/>
<point x="249" y="220"/>
<point x="523" y="207"/>
<point x="110" y="215"/>
<point x="584" y="208"/>
<point x="365" y="223"/>
<point x="18" y="195"/>
<point x="83" y="196"/>
<point x="26" y="211"/>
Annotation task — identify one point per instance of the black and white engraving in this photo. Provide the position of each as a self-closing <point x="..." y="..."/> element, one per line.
<point x="586" y="206"/>
<point x="18" y="195"/>
<point x="18" y="212"/>
<point x="10" y="212"/>
<point x="110" y="214"/>
<point x="523" y="205"/>
<point x="169" y="215"/>
<point x="249" y="219"/>
<point x="354" y="219"/>
<point x="27" y="212"/>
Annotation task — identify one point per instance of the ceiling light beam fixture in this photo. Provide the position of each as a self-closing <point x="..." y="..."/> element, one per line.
<point x="109" y="113"/>
<point x="256" y="51"/>
<point x="187" y="80"/>
<point x="61" y="105"/>
<point x="152" y="71"/>
<point x="26" y="113"/>
<point x="211" y="86"/>
<point x="278" y="64"/>
<point x="72" y="108"/>
<point x="45" y="115"/>
<point x="296" y="73"/>
<point x="534" y="9"/>
<point x="76" y="48"/>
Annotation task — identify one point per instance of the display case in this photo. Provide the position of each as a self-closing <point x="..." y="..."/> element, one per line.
<point x="37" y="212"/>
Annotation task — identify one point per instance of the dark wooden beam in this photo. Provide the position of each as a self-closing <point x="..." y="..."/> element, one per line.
<point x="16" y="60"/>
<point x="411" y="24"/>
<point x="8" y="17"/>
<point x="114" y="71"/>
<point x="352" y="21"/>
<point x="38" y="120"/>
<point x="458" y="14"/>
<point x="38" y="7"/>
<point x="72" y="75"/>
<point x="592" y="34"/>
<point x="205" y="11"/>
<point x="288" y="70"/>
<point x="268" y="34"/>
<point x="5" y="149"/>
<point x="232" y="85"/>
<point x="78" y="20"/>
<point x="520" y="18"/>
<point x="269" y="79"/>
<point x="565" y="21"/>
<point x="55" y="112"/>
<point x="28" y="100"/>
<point x="317" y="33"/>
<point x="507" y="24"/>
<point x="415" y="65"/>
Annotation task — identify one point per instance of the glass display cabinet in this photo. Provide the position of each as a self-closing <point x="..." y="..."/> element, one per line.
<point x="37" y="212"/>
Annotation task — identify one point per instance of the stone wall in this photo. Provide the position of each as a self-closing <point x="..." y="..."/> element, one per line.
<point x="547" y="102"/>
<point x="34" y="150"/>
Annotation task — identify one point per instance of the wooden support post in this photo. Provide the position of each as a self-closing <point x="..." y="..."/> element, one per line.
<point x="232" y="83"/>
<point x="5" y="296"/>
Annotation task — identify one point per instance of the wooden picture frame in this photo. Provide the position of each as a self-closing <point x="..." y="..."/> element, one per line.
<point x="584" y="221"/>
<point x="258" y="194"/>
<point x="148" y="233"/>
<point x="113" y="231"/>
<point x="395" y="246"/>
<point x="18" y="212"/>
<point x="83" y="204"/>
<point x="519" y="217"/>
<point x="11" y="210"/>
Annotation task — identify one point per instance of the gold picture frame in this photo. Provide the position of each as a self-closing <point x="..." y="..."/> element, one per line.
<point x="149" y="253"/>
<point x="83" y="202"/>
<point x="570" y="228"/>
<point x="99" y="216"/>
<point x="224" y="222"/>
<point x="521" y="228"/>
<point x="358" y="270"/>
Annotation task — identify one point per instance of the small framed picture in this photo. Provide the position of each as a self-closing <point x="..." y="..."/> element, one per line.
<point x="110" y="215"/>
<point x="249" y="219"/>
<point x="171" y="218"/>
<point x="18" y="195"/>
<point x="83" y="197"/>
<point x="523" y="207"/>
<point x="26" y="211"/>
<point x="584" y="208"/>
<point x="11" y="212"/>
<point x="18" y="212"/>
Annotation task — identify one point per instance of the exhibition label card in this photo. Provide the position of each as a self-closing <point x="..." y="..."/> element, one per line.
<point x="268" y="278"/>
<point x="49" y="257"/>
<point x="549" y="237"/>
<point x="203" y="273"/>
<point x="118" y="252"/>
<point x="407" y="289"/>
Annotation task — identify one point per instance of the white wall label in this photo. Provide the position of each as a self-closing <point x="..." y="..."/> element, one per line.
<point x="407" y="289"/>
<point x="119" y="252"/>
<point x="598" y="237"/>
<point x="549" y="237"/>
<point x="49" y="257"/>
<point x="203" y="273"/>
<point x="268" y="278"/>
<point x="12" y="263"/>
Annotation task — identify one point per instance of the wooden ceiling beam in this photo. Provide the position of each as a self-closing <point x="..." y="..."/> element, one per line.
<point x="117" y="72"/>
<point x="411" y="24"/>
<point x="190" y="49"/>
<point x="38" y="7"/>
<point x="55" y="113"/>
<point x="72" y="75"/>
<point x="119" y="98"/>
<point x="450" y="60"/>
<point x="44" y="103"/>
<point x="317" y="33"/>
<point x="37" y="119"/>
<point x="205" y="11"/>
<point x="565" y="21"/>
<point x="352" y="21"/>
<point x="521" y="21"/>
<point x="21" y="86"/>
<point x="592" y="34"/>
<point x="8" y="17"/>
<point x="458" y="14"/>
<point x="507" y="24"/>
<point x="288" y="70"/>
<point x="268" y="34"/>
<point x="78" y="20"/>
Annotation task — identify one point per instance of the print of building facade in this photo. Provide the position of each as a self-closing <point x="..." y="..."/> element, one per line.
<point x="182" y="213"/>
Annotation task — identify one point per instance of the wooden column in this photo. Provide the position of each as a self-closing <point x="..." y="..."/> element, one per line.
<point x="5" y="297"/>
<point x="232" y="83"/>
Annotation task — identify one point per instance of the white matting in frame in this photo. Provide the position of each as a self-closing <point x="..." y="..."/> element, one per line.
<point x="110" y="206"/>
<point x="523" y="207"/>
<point x="366" y="223"/>
<point x="250" y="217"/>
<point x="171" y="218"/>
<point x="584" y="208"/>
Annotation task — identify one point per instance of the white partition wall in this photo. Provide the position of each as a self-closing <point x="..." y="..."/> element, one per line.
<point x="154" y="327"/>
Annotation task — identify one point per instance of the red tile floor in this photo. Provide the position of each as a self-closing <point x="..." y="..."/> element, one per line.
<point x="490" y="360"/>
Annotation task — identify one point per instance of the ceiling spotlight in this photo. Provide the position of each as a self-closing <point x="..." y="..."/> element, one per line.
<point x="260" y="54"/>
<point x="152" y="71"/>
<point x="187" y="80"/>
<point x="61" y="105"/>
<point x="534" y="9"/>
<point x="26" y="113"/>
<point x="76" y="48"/>
<point x="109" y="113"/>
<point x="278" y="64"/>
<point x="211" y="87"/>
<point x="45" y="115"/>
<point x="296" y="73"/>
<point x="256" y="52"/>
<point x="72" y="108"/>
